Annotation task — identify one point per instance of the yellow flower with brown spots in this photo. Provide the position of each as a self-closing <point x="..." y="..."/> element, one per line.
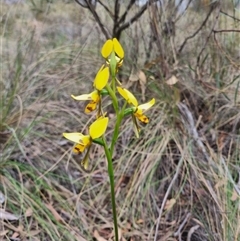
<point x="96" y="130"/>
<point x="139" y="110"/>
<point x="94" y="97"/>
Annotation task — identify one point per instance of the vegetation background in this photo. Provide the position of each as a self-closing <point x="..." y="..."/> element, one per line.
<point x="180" y="180"/>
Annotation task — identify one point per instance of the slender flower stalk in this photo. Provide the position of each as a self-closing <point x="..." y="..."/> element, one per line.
<point x="112" y="186"/>
<point x="107" y="84"/>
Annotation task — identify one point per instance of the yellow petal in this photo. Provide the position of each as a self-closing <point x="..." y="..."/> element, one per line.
<point x="91" y="106"/>
<point x="77" y="138"/>
<point x="85" y="162"/>
<point x="101" y="78"/>
<point x="119" y="63"/>
<point x="142" y="118"/>
<point x="144" y="107"/>
<point x="98" y="127"/>
<point x="107" y="48"/>
<point x="128" y="96"/>
<point x="98" y="72"/>
<point x="79" y="148"/>
<point x="92" y="96"/>
<point x="118" y="48"/>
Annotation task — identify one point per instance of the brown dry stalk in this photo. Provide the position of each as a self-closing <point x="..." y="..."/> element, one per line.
<point x="235" y="65"/>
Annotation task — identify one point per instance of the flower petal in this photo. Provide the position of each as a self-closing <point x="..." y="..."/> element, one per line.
<point x="91" y="106"/>
<point x="142" y="118"/>
<point x="92" y="96"/>
<point x="79" y="148"/>
<point x="118" y="48"/>
<point x="85" y="162"/>
<point x="144" y="107"/>
<point x="107" y="48"/>
<point x="78" y="138"/>
<point x="128" y="96"/>
<point x="119" y="62"/>
<point x="101" y="78"/>
<point x="98" y="127"/>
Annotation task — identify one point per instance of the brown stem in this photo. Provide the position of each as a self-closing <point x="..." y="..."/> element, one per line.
<point x="196" y="32"/>
<point x="97" y="18"/>
<point x="107" y="9"/>
<point x="116" y="16"/>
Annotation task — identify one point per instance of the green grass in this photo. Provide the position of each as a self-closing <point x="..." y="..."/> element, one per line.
<point x="49" y="56"/>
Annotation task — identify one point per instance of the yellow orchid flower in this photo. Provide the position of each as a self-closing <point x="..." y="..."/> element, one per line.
<point x="94" y="97"/>
<point x="96" y="130"/>
<point x="139" y="109"/>
<point x="112" y="45"/>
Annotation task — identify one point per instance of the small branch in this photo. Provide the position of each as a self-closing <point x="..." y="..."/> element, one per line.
<point x="208" y="38"/>
<point x="178" y="232"/>
<point x="226" y="31"/>
<point x="189" y="124"/>
<point x="116" y="11"/>
<point x="132" y="20"/>
<point x="230" y="16"/>
<point x="220" y="47"/>
<point x="107" y="9"/>
<point x="181" y="14"/>
<point x="197" y="31"/>
<point x="123" y="17"/>
<point x="191" y="231"/>
<point x="115" y="21"/>
<point x="98" y="20"/>
<point x="166" y="196"/>
<point x="230" y="178"/>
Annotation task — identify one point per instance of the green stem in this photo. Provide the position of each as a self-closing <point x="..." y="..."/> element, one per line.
<point x="120" y="115"/>
<point x="113" y="96"/>
<point x="111" y="178"/>
<point x="113" y="67"/>
<point x="113" y="83"/>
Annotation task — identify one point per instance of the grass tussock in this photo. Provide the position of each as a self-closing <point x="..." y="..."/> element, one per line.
<point x="179" y="181"/>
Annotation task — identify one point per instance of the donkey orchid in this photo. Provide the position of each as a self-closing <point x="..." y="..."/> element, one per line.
<point x="138" y="111"/>
<point x="96" y="130"/>
<point x="99" y="83"/>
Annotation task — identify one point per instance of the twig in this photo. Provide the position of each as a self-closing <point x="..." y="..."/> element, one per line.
<point x="164" y="70"/>
<point x="230" y="16"/>
<point x="197" y="31"/>
<point x="134" y="18"/>
<point x="166" y="196"/>
<point x="220" y="47"/>
<point x="208" y="37"/>
<point x="115" y="20"/>
<point x="230" y="178"/>
<point x="191" y="231"/>
<point x="189" y="124"/>
<point x="97" y="18"/>
<point x="181" y="14"/>
<point x="131" y="21"/>
<point x="176" y="234"/>
<point x="226" y="31"/>
<point x="107" y="9"/>
<point x="123" y="17"/>
<point x="116" y="11"/>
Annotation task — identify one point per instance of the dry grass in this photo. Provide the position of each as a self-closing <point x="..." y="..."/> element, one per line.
<point x="179" y="181"/>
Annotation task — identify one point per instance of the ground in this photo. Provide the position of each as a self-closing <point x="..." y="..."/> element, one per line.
<point x="178" y="181"/>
